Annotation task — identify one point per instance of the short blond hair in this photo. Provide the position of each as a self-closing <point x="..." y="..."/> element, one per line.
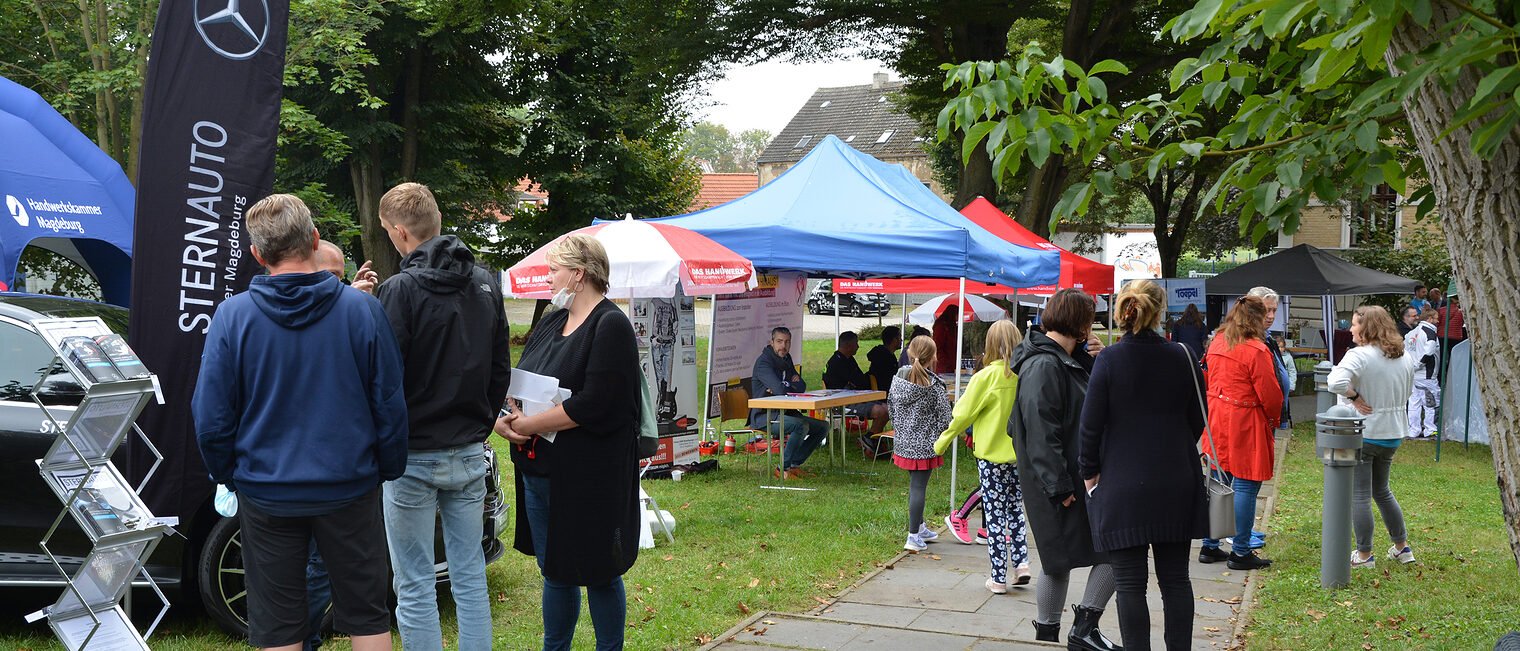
<point x="413" y="207"/>
<point x="1140" y="304"/>
<point x="580" y="252"/>
<point x="280" y="227"/>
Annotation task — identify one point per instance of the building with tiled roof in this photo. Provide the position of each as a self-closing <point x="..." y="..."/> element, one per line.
<point x="718" y="189"/>
<point x="863" y="117"/>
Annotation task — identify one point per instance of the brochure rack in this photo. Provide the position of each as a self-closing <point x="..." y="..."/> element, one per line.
<point x="107" y="509"/>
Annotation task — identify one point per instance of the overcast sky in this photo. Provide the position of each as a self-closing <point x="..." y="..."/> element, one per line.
<point x="767" y="95"/>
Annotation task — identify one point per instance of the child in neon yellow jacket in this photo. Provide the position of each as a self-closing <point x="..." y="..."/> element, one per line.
<point x="985" y="408"/>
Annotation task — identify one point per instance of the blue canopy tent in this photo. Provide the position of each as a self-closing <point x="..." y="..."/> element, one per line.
<point x="61" y="193"/>
<point x="840" y="212"/>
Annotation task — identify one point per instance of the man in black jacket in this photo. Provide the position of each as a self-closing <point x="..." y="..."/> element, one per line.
<point x="452" y="328"/>
<point x="883" y="357"/>
<point x="775" y="375"/>
<point x="842" y="372"/>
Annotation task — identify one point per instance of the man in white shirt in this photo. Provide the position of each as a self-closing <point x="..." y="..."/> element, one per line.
<point x="1423" y="347"/>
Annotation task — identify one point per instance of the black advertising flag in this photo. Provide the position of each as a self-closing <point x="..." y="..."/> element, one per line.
<point x="211" y="113"/>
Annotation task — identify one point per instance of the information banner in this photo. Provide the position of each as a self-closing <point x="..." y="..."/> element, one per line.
<point x="211" y="115"/>
<point x="742" y="326"/>
<point x="667" y="334"/>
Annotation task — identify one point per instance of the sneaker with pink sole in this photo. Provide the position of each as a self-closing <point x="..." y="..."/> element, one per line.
<point x="960" y="528"/>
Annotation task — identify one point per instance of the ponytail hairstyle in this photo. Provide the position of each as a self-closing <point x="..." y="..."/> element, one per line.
<point x="1002" y="338"/>
<point x="921" y="355"/>
<point x="1243" y="323"/>
<point x="1378" y="330"/>
<point x="1140" y="305"/>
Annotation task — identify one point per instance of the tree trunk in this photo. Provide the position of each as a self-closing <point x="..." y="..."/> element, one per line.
<point x="411" y="106"/>
<point x="102" y="122"/>
<point x="364" y="169"/>
<point x="1479" y="204"/>
<point x="134" y="129"/>
<point x="1042" y="189"/>
<point x="103" y="38"/>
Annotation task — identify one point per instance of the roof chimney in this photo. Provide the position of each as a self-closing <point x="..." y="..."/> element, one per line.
<point x="878" y="80"/>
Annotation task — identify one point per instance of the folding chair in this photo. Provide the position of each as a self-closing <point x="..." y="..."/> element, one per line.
<point x="647" y="501"/>
<point x="733" y="404"/>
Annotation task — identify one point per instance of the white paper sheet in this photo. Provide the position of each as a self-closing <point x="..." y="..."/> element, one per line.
<point x="536" y="394"/>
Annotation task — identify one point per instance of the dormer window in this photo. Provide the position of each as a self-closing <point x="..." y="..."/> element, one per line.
<point x="825" y="104"/>
<point x="803" y="142"/>
<point x="885" y="135"/>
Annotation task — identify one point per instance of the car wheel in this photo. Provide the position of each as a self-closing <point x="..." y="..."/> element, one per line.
<point x="858" y="311"/>
<point x="221" y="578"/>
<point x="223" y="590"/>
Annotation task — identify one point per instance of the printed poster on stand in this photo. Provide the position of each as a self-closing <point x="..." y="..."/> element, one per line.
<point x="667" y="335"/>
<point x="742" y="327"/>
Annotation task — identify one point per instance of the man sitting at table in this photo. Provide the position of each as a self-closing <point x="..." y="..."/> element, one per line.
<point x="775" y="375"/>
<point x="843" y="373"/>
<point x="883" y="358"/>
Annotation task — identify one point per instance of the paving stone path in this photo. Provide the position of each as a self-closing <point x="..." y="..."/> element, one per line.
<point x="936" y="600"/>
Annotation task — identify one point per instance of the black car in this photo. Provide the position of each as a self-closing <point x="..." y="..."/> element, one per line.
<point x="203" y="566"/>
<point x="821" y="301"/>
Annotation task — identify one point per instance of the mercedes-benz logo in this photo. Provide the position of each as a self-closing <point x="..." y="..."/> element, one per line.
<point x="230" y="33"/>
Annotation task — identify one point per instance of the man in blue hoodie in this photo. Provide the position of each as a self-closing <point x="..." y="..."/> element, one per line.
<point x="299" y="409"/>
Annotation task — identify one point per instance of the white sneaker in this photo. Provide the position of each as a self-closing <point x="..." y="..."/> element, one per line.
<point x="1370" y="563"/>
<point x="995" y="587"/>
<point x="925" y="533"/>
<point x="1405" y="555"/>
<point x="914" y="543"/>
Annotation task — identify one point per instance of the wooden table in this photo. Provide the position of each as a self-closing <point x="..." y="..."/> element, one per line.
<point x="813" y="400"/>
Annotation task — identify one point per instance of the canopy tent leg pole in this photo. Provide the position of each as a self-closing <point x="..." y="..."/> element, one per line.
<point x="836" y="315"/>
<point x="1467" y="419"/>
<point x="1327" y="313"/>
<point x="1110" y="313"/>
<point x="960" y="333"/>
<point x="830" y="413"/>
<point x="1014" y="315"/>
<point x="712" y="332"/>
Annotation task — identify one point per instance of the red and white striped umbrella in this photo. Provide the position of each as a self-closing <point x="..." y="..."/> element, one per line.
<point x="647" y="259"/>
<point x="973" y="308"/>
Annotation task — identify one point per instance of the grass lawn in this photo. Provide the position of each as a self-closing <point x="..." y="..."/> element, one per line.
<point x="1463" y="592"/>
<point x="738" y="549"/>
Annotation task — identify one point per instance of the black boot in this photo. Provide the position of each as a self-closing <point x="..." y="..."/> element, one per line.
<point x="1047" y="632"/>
<point x="1085" y="635"/>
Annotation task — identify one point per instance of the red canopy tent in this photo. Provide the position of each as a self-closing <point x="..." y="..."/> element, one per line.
<point x="1076" y="271"/>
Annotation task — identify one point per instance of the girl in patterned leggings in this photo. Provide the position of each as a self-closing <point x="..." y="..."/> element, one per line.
<point x="984" y="408"/>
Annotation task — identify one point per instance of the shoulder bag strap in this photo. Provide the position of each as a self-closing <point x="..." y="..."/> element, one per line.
<point x="1211" y="459"/>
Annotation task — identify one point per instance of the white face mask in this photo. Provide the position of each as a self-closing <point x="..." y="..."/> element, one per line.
<point x="562" y="298"/>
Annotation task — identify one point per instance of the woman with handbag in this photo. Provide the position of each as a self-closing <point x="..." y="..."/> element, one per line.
<point x="1375" y="377"/>
<point x="1140" y="465"/>
<point x="1053" y="366"/>
<point x="583" y="532"/>
<point x="1245" y="404"/>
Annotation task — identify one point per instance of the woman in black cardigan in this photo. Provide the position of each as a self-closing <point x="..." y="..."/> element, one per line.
<point x="577" y="497"/>
<point x="1138" y="458"/>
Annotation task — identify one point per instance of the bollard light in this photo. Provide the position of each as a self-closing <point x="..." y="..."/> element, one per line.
<point x="1337" y="443"/>
<point x="1325" y="400"/>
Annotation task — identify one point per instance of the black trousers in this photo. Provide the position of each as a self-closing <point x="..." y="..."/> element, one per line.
<point x="275" y="549"/>
<point x="1130" y="580"/>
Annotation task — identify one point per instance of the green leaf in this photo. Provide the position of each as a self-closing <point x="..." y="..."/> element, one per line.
<point x="1108" y="65"/>
<point x="1280" y="16"/>
<point x="1073" y="201"/>
<point x="1393" y="175"/>
<point x="1142" y="132"/>
<point x="1055" y="68"/>
<point x="974" y="136"/>
<point x="1498" y="81"/>
<point x="1193" y="21"/>
<point x="1105" y="182"/>
<point x="1383" y="9"/>
<point x="1194" y="149"/>
<point x="1367" y="136"/>
<point x="1419" y="10"/>
<point x="1212" y="91"/>
<point x="1487" y="139"/>
<point x="1124" y="170"/>
<point x="1375" y="42"/>
<point x="1039" y="146"/>
<point x="1030" y="118"/>
<point x="1099" y="89"/>
<point x="1181" y="72"/>
<point x="1060" y="132"/>
<point x="999" y="133"/>
<point x="1290" y="172"/>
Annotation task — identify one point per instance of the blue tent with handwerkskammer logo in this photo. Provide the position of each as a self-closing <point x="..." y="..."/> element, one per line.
<point x="61" y="193"/>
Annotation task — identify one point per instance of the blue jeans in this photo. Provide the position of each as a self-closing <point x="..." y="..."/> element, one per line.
<point x="318" y="596"/>
<point x="451" y="484"/>
<point x="803" y="436"/>
<point x="562" y="601"/>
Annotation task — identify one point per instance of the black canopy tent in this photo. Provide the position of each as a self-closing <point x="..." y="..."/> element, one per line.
<point x="1308" y="271"/>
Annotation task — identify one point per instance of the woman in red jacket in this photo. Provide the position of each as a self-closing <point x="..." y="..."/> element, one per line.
<point x="1245" y="403"/>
